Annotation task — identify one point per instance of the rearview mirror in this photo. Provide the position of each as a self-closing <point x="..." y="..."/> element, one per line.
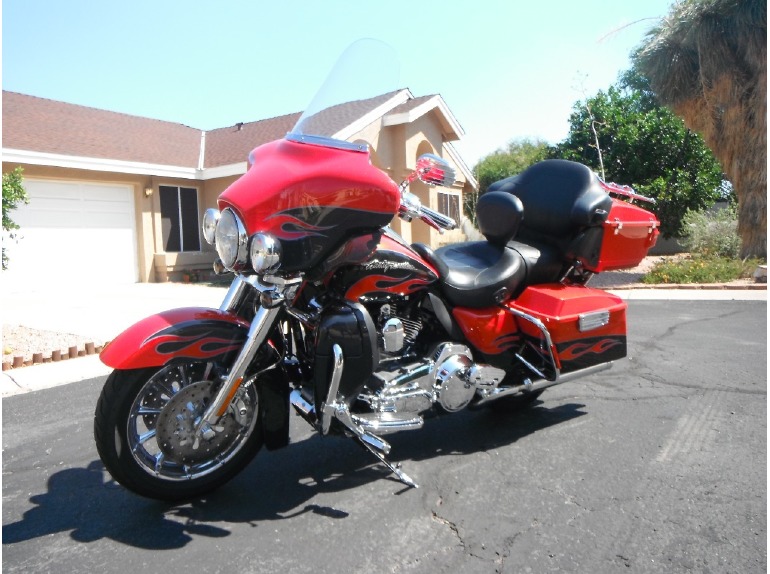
<point x="434" y="170"/>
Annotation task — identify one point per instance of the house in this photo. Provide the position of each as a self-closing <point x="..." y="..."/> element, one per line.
<point x="120" y="198"/>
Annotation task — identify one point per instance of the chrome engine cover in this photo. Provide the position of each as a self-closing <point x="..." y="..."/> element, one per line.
<point x="453" y="390"/>
<point x="403" y="391"/>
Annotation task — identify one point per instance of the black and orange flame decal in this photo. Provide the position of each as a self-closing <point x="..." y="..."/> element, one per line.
<point x="385" y="284"/>
<point x="505" y="342"/>
<point x="577" y="350"/>
<point x="197" y="340"/>
<point x="593" y="351"/>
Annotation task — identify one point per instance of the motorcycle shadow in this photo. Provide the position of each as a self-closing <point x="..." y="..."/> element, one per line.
<point x="296" y="475"/>
<point x="278" y="485"/>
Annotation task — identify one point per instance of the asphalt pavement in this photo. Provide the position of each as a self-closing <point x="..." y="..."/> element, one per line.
<point x="104" y="311"/>
<point x="657" y="465"/>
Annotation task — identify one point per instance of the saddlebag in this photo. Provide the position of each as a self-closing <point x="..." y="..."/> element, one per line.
<point x="587" y="326"/>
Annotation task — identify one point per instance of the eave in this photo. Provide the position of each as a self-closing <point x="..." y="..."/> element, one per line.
<point x="118" y="166"/>
<point x="450" y="126"/>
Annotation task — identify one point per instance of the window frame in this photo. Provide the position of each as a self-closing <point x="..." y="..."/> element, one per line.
<point x="183" y="222"/>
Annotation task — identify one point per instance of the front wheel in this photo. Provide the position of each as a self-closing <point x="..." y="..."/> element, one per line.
<point x="144" y="427"/>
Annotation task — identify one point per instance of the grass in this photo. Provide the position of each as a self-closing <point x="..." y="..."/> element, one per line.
<point x="701" y="269"/>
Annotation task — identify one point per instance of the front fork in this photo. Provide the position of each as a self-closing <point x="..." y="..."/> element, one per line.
<point x="273" y="293"/>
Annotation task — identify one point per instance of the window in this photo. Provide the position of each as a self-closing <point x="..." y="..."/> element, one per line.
<point x="179" y="218"/>
<point x="449" y="204"/>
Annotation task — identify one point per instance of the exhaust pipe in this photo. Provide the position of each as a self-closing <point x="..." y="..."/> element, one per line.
<point x="303" y="407"/>
<point x="532" y="386"/>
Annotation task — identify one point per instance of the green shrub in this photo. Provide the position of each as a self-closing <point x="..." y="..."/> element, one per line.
<point x="13" y="194"/>
<point x="712" y="233"/>
<point x="701" y="269"/>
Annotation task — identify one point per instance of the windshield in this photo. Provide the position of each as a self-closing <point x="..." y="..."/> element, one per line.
<point x="364" y="77"/>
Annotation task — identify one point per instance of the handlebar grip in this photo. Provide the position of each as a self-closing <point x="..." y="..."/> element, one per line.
<point x="440" y="219"/>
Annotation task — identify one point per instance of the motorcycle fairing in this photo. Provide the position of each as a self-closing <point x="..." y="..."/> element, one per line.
<point x="185" y="333"/>
<point x="311" y="198"/>
<point x="349" y="326"/>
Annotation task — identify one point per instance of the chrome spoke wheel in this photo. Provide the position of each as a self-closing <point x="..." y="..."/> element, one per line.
<point x="160" y="428"/>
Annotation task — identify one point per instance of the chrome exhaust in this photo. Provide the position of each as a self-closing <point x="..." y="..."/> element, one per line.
<point x="528" y="386"/>
<point x="386" y="423"/>
<point x="303" y="407"/>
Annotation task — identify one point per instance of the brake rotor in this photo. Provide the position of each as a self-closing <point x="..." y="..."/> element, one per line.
<point x="176" y="426"/>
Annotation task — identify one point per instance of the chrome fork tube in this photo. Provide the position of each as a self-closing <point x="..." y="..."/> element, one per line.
<point x="238" y="290"/>
<point x="260" y="326"/>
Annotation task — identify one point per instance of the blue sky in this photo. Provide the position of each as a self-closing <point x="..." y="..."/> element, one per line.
<point x="507" y="69"/>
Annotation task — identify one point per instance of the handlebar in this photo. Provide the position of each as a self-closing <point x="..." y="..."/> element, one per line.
<point x="440" y="220"/>
<point x="412" y="207"/>
<point x="431" y="170"/>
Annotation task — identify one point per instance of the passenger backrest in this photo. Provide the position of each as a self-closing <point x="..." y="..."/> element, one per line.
<point x="560" y="198"/>
<point x="499" y="216"/>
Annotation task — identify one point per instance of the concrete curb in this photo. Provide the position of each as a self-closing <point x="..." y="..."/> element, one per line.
<point x="689" y="286"/>
<point x="47" y="375"/>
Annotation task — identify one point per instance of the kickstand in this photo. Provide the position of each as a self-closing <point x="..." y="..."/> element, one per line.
<point x="395" y="469"/>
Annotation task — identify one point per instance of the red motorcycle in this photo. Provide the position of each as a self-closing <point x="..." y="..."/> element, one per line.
<point x="334" y="314"/>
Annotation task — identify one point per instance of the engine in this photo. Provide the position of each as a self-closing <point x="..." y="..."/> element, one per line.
<point x="411" y="366"/>
<point x="404" y="385"/>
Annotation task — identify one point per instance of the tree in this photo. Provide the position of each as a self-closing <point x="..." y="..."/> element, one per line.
<point x="517" y="156"/>
<point x="707" y="61"/>
<point x="13" y="194"/>
<point x="644" y="145"/>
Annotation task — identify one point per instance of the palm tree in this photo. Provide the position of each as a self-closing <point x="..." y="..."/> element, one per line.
<point x="707" y="61"/>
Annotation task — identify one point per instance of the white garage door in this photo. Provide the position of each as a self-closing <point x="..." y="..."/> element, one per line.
<point x="74" y="231"/>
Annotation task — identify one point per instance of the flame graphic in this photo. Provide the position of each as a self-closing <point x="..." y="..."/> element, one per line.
<point x="579" y="349"/>
<point x="383" y="283"/>
<point x="201" y="346"/>
<point x="291" y="228"/>
<point x="505" y="342"/>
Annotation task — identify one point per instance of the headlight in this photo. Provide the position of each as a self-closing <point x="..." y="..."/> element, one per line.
<point x="265" y="253"/>
<point x="210" y="220"/>
<point x="231" y="240"/>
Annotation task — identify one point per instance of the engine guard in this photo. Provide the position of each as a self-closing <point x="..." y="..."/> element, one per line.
<point x="186" y="333"/>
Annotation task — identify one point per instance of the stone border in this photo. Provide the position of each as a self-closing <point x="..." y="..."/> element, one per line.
<point x="73" y="352"/>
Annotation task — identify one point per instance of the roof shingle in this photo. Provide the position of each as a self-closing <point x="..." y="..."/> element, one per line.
<point x="42" y="125"/>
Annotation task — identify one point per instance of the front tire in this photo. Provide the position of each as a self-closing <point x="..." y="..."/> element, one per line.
<point x="144" y="430"/>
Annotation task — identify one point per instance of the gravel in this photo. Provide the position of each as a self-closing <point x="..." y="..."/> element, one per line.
<point x="20" y="341"/>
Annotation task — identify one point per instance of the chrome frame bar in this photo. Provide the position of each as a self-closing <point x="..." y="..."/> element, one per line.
<point x="546" y="335"/>
<point x="331" y="405"/>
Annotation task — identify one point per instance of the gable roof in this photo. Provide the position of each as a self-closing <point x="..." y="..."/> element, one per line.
<point x="40" y="131"/>
<point x="415" y="108"/>
<point x="226" y="146"/>
<point x="42" y="125"/>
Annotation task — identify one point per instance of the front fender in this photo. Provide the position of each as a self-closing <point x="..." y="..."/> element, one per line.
<point x="186" y="333"/>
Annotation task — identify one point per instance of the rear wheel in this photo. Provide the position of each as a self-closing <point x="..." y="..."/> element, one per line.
<point x="144" y="429"/>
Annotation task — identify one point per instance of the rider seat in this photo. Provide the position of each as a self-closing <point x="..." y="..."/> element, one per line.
<point x="548" y="209"/>
<point x="481" y="273"/>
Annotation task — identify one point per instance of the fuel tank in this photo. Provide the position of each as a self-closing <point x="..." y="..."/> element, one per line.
<point x="379" y="266"/>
